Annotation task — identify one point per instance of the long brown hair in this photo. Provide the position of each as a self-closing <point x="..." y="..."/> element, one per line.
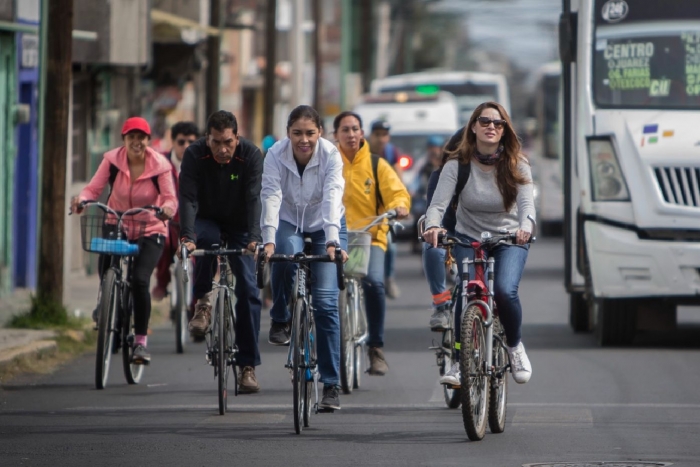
<point x="508" y="177"/>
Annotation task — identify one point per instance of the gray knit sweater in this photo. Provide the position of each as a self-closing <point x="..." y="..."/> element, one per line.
<point x="480" y="203"/>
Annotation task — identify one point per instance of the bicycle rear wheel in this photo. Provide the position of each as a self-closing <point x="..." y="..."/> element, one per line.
<point x="298" y="370"/>
<point x="474" y="381"/>
<point x="453" y="397"/>
<point x="347" y="344"/>
<point x="132" y="372"/>
<point x="498" y="390"/>
<point x="221" y="357"/>
<point x="109" y="298"/>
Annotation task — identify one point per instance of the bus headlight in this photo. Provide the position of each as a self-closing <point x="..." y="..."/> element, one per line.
<point x="607" y="181"/>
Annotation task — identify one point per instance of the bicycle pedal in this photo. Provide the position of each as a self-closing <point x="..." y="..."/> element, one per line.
<point x="325" y="410"/>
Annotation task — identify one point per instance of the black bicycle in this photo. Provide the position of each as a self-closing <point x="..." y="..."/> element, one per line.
<point x="221" y="335"/>
<point x="301" y="358"/>
<point x="116" y="235"/>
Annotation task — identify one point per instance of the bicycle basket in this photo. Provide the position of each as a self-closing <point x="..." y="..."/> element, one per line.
<point x="359" y="244"/>
<point x="99" y="234"/>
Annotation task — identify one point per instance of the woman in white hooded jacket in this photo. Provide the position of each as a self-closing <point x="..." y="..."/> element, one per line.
<point x="302" y="194"/>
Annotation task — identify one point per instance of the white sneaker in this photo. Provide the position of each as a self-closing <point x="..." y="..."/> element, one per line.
<point x="452" y="377"/>
<point x="520" y="364"/>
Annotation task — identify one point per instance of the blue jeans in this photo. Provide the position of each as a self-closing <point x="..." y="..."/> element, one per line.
<point x="248" y="302"/>
<point x="390" y="256"/>
<point x="375" y="297"/>
<point x="434" y="268"/>
<point x="510" y="262"/>
<point x="324" y="288"/>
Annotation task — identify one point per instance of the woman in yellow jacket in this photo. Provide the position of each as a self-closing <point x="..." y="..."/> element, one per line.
<point x="361" y="204"/>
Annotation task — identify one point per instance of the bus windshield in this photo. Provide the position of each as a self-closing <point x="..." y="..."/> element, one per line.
<point x="468" y="95"/>
<point x="648" y="64"/>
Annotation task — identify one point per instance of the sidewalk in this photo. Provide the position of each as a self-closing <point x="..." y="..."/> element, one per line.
<point x="14" y="343"/>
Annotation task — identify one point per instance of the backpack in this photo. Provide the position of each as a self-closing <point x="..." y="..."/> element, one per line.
<point x="449" y="219"/>
<point x="114" y="170"/>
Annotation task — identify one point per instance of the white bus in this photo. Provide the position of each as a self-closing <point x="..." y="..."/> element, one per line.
<point x="544" y="152"/>
<point x="631" y="93"/>
<point x="469" y="88"/>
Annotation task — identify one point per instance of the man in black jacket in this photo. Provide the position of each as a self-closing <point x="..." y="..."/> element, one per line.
<point x="220" y="182"/>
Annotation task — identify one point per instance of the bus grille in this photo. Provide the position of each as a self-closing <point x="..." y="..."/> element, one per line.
<point x="679" y="185"/>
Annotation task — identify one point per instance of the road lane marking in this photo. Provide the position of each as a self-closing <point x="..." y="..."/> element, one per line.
<point x="433" y="404"/>
<point x="540" y="415"/>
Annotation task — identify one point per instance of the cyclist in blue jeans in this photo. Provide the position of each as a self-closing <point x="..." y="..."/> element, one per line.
<point x="498" y="194"/>
<point x="220" y="194"/>
<point x="302" y="194"/>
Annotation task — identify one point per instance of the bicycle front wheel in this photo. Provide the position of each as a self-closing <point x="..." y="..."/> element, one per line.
<point x="360" y="318"/>
<point x="132" y="372"/>
<point x="498" y="390"/>
<point x="109" y="298"/>
<point x="180" y="309"/>
<point x="298" y="365"/>
<point x="347" y="343"/>
<point x="474" y="380"/>
<point x="221" y="360"/>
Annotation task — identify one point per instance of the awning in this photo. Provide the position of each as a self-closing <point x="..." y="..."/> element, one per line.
<point x="167" y="27"/>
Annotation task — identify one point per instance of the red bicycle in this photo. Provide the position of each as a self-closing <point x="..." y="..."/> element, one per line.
<point x="484" y="360"/>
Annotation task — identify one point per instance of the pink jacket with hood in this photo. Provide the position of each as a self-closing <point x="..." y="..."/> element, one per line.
<point x="141" y="192"/>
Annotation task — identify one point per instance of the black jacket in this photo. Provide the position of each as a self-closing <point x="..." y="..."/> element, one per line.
<point x="227" y="194"/>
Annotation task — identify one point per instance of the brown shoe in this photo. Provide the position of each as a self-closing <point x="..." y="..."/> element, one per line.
<point x="247" y="382"/>
<point x="377" y="363"/>
<point x="200" y="321"/>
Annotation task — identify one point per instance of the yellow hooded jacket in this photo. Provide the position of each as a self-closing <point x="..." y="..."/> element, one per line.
<point x="359" y="197"/>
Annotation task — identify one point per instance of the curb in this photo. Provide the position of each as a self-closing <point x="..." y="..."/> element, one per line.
<point x="8" y="356"/>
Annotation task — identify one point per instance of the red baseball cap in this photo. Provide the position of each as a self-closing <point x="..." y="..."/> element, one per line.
<point x="136" y="124"/>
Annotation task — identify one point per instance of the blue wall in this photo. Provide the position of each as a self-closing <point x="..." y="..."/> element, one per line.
<point x="26" y="178"/>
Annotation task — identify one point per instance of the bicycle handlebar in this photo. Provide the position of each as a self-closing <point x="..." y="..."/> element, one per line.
<point x="222" y="252"/>
<point x="389" y="215"/>
<point x="155" y="209"/>
<point x="300" y="258"/>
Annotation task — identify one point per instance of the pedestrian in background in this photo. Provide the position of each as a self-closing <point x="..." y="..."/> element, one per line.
<point x="182" y="134"/>
<point x="380" y="144"/>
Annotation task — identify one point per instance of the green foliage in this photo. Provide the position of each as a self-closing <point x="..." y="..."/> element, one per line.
<point x="44" y="313"/>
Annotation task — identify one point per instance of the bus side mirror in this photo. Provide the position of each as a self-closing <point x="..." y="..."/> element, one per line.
<point x="567" y="36"/>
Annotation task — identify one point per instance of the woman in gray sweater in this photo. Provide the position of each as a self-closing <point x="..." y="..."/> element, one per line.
<point x="498" y="194"/>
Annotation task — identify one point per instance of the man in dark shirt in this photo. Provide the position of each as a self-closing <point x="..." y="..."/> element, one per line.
<point x="220" y="182"/>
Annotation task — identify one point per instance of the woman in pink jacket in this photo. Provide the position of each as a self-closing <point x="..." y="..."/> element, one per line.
<point x="143" y="178"/>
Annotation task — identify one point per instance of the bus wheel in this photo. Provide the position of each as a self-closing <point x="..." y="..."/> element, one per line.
<point x="579" y="315"/>
<point x="616" y="321"/>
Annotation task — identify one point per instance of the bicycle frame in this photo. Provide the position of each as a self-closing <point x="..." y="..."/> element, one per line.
<point x="478" y="291"/>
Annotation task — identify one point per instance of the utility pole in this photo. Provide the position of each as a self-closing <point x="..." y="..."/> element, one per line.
<point x="318" y="59"/>
<point x="383" y="40"/>
<point x="296" y="52"/>
<point x="214" y="57"/>
<point x="345" y="48"/>
<point x="271" y="61"/>
<point x="53" y="181"/>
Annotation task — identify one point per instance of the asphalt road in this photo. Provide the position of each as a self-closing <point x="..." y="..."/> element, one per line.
<point x="584" y="403"/>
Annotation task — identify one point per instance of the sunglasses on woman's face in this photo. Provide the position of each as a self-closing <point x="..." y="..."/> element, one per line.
<point x="485" y="122"/>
